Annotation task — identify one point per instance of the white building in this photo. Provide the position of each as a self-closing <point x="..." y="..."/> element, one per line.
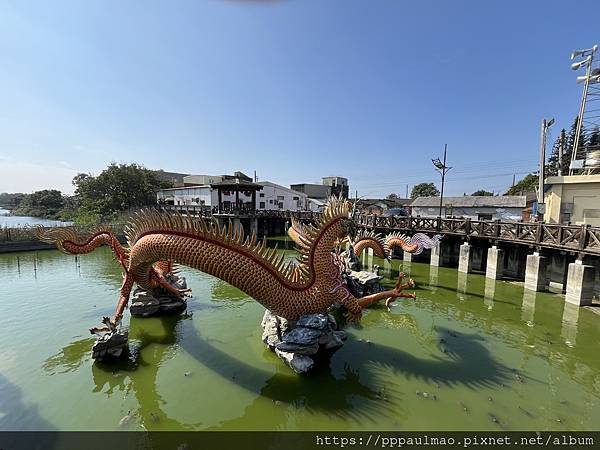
<point x="276" y="197"/>
<point x="188" y="195"/>
<point x="506" y="207"/>
<point x="271" y="197"/>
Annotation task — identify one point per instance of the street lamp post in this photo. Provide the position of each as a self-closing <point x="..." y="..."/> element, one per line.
<point x="442" y="168"/>
<point x="545" y="125"/>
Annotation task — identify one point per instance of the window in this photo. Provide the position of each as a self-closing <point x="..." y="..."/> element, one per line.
<point x="270" y="202"/>
<point x="280" y="205"/>
<point x="296" y="198"/>
<point x="262" y="195"/>
<point x="280" y="197"/>
<point x="484" y="216"/>
<point x="261" y="205"/>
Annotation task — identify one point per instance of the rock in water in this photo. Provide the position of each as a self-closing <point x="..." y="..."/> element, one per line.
<point x="273" y="328"/>
<point x="298" y="363"/>
<point x="297" y="344"/>
<point x="110" y="346"/>
<point x="363" y="283"/>
<point x="144" y="304"/>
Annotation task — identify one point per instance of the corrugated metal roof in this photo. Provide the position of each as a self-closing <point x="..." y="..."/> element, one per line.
<point x="471" y="201"/>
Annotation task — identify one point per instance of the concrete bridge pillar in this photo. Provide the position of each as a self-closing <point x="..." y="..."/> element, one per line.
<point x="580" y="284"/>
<point x="407" y="257"/>
<point x="495" y="263"/>
<point x="370" y="258"/>
<point x="436" y="255"/>
<point x="464" y="259"/>
<point x="536" y="274"/>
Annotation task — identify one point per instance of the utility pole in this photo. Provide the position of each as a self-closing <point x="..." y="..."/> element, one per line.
<point x="406" y="191"/>
<point x="442" y="168"/>
<point x="545" y="126"/>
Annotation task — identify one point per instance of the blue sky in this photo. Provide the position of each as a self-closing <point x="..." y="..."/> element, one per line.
<point x="295" y="90"/>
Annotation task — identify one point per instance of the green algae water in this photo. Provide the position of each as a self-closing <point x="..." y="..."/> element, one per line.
<point x="467" y="354"/>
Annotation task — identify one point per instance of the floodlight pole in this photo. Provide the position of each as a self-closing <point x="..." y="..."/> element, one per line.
<point x="588" y="72"/>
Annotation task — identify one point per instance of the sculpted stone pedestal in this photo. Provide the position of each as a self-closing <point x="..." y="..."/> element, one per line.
<point x="299" y="343"/>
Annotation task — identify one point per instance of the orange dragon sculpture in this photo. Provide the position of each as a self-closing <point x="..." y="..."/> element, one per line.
<point x="364" y="239"/>
<point x="289" y="289"/>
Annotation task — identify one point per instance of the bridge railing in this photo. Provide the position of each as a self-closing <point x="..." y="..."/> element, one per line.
<point x="207" y="211"/>
<point x="579" y="238"/>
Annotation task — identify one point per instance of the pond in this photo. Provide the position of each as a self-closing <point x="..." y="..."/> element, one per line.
<point x="467" y="354"/>
<point x="6" y="220"/>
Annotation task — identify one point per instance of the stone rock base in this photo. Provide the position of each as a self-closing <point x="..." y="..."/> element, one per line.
<point x="363" y="283"/>
<point x="110" y="346"/>
<point x="300" y="343"/>
<point x="145" y="304"/>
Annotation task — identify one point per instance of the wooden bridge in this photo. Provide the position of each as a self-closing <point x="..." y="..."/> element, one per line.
<point x="582" y="239"/>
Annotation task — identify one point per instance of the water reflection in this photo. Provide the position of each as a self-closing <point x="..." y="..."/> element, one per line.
<point x="461" y="285"/>
<point x="528" y="307"/>
<point x="19" y="414"/>
<point x="387" y="269"/>
<point x="489" y="293"/>
<point x="334" y="388"/>
<point x="433" y="277"/>
<point x="570" y="318"/>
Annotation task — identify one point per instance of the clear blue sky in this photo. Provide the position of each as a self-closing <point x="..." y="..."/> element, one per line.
<point x="296" y="90"/>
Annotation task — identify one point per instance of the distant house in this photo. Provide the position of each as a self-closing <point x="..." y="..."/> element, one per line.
<point x="175" y="178"/>
<point x="330" y="186"/>
<point x="382" y="207"/>
<point x="507" y="207"/>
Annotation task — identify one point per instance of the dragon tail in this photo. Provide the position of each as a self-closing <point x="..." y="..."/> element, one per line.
<point x="369" y="239"/>
<point x="70" y="242"/>
<point x="415" y="245"/>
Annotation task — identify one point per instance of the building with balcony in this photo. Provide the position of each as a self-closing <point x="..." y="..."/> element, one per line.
<point x="226" y="194"/>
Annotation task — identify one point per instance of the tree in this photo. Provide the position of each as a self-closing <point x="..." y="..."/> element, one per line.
<point x="47" y="203"/>
<point x="118" y="188"/>
<point x="11" y="200"/>
<point x="593" y="139"/>
<point x="392" y="196"/>
<point x="527" y="184"/>
<point x="482" y="193"/>
<point x="424" y="190"/>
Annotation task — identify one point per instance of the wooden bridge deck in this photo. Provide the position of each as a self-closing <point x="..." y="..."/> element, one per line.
<point x="583" y="239"/>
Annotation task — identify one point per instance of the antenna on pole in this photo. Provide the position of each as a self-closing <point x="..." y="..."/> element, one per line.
<point x="442" y="168"/>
